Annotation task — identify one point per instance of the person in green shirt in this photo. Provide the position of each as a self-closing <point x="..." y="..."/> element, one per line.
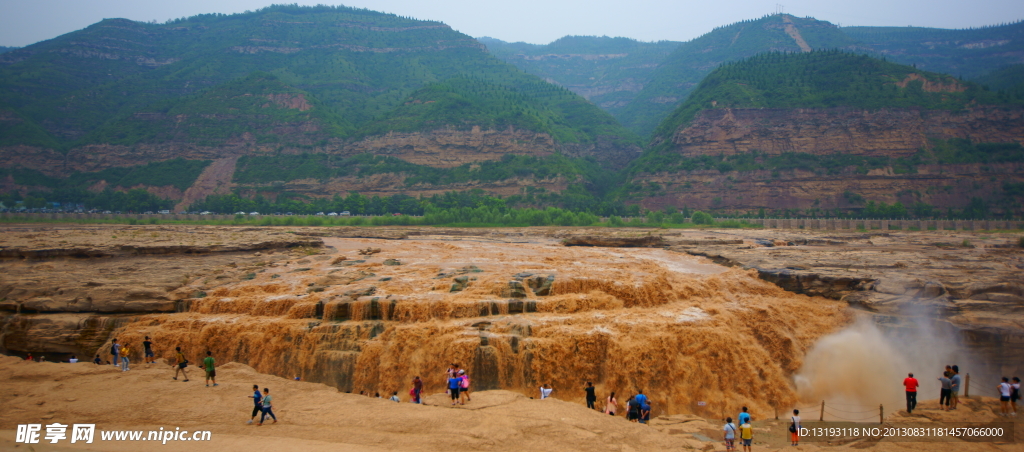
<point x="211" y="373"/>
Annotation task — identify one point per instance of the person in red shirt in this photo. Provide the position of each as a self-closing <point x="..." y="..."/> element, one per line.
<point x="911" y="384"/>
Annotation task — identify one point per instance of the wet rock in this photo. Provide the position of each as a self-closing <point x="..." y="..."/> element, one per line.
<point x="460" y="284"/>
<point x="541" y="285"/>
<point x="522" y="275"/>
<point x="364" y="292"/>
<point x="515" y="289"/>
<point x="392" y="262"/>
<point x="621" y="242"/>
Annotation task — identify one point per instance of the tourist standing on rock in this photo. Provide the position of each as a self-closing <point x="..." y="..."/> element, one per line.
<point x="211" y="373"/>
<point x="1014" y="395"/>
<point x="180" y="363"/>
<point x="394" y="397"/>
<point x="744" y="417"/>
<point x="417" y="389"/>
<point x="746" y="434"/>
<point x="911" y="384"/>
<point x="149" y="357"/>
<point x="611" y="405"/>
<point x="632" y="409"/>
<point x="954" y="387"/>
<point x="645" y="411"/>
<point x="124" y="358"/>
<point x="1004" y="397"/>
<point x="115" y="350"/>
<point x="257" y="400"/>
<point x="591" y="396"/>
<point x="945" y="393"/>
<point x="545" y="391"/>
<point x="794" y="428"/>
<point x="730" y="434"/>
<point x="73" y="359"/>
<point x="454" y="384"/>
<point x="464" y="386"/>
<point x="267" y="408"/>
<point x="640" y="397"/>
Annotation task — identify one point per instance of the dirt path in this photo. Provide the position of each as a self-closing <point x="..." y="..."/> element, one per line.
<point x="215" y="180"/>
<point x="795" y="34"/>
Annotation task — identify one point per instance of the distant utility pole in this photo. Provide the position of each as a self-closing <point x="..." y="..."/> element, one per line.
<point x="778" y="9"/>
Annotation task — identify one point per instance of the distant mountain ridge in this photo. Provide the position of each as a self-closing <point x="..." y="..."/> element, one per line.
<point x="356" y="64"/>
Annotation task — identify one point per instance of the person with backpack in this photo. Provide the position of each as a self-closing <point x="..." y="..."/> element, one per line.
<point x="730" y="434"/>
<point x="794" y="428"/>
<point x="180" y="363"/>
<point x="257" y="400"/>
<point x="115" y="351"/>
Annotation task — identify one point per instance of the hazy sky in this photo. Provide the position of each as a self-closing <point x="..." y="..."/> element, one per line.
<point x="24" y="22"/>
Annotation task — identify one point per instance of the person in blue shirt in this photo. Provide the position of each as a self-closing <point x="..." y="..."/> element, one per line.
<point x="257" y="400"/>
<point x="454" y="384"/>
<point x="640" y="398"/>
<point x="744" y="417"/>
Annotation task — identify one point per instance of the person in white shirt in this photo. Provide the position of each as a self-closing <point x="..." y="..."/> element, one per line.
<point x="794" y="428"/>
<point x="73" y="359"/>
<point x="545" y="391"/>
<point x="1004" y="397"/>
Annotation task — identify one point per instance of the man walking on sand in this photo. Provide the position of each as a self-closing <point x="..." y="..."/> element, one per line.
<point x="257" y="400"/>
<point x="211" y="373"/>
<point x="180" y="363"/>
<point x="591" y="396"/>
<point x="267" y="408"/>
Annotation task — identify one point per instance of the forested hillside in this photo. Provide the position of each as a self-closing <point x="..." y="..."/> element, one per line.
<point x="357" y="64"/>
<point x="684" y="69"/>
<point x="607" y="71"/>
<point x="970" y="53"/>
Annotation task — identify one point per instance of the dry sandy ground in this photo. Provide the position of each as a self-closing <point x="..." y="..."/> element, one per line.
<point x="314" y="417"/>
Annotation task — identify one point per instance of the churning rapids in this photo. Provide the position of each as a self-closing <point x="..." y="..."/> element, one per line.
<point x="517" y="315"/>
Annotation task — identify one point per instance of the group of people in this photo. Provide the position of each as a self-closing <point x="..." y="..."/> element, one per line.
<point x="120" y="354"/>
<point x="745" y="431"/>
<point x="1009" y="393"/>
<point x="949" y="393"/>
<point x="458" y="384"/>
<point x="638" y="407"/>
<point x="262" y="403"/>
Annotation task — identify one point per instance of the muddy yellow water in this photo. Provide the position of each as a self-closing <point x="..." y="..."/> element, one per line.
<point x="697" y="337"/>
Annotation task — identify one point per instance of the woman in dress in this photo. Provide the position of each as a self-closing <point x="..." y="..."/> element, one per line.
<point x="611" y="405"/>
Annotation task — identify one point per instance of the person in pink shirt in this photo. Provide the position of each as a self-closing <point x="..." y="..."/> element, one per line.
<point x="911" y="384"/>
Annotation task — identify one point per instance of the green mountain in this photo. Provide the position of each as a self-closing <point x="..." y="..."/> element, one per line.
<point x="969" y="53"/>
<point x="607" y="71"/>
<point x="259" y="105"/>
<point x="684" y="69"/>
<point x="353" y="66"/>
<point x="1010" y="78"/>
<point x="7" y="49"/>
<point x="820" y="79"/>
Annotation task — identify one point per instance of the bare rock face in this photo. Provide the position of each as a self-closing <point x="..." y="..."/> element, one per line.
<point x="68" y="300"/>
<point x="450" y="148"/>
<point x="628" y="242"/>
<point x="887" y="132"/>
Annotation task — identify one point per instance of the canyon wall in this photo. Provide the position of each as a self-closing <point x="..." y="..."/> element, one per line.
<point x="886" y="132"/>
<point x="939" y="185"/>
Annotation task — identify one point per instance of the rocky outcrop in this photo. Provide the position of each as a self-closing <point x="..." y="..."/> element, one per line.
<point x="885" y="132"/>
<point x="941" y="186"/>
<point x="619" y="242"/>
<point x="449" y="147"/>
